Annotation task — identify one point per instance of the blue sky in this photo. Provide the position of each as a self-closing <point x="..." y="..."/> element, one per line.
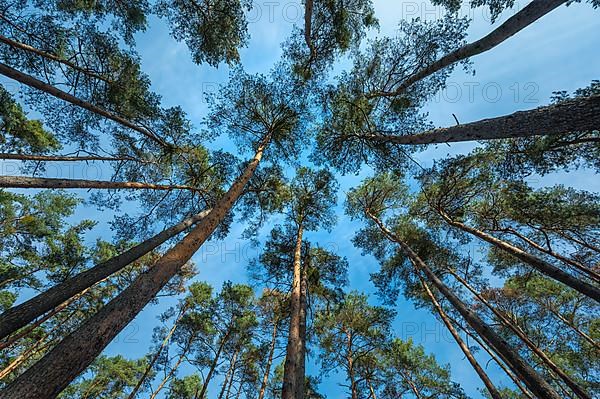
<point x="559" y="52"/>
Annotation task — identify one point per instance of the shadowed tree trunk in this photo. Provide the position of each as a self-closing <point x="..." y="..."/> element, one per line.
<point x="577" y="115"/>
<point x="530" y="377"/>
<point x="53" y="91"/>
<point x="522" y="19"/>
<point x="21" y="315"/>
<point x="529" y="259"/>
<point x="580" y="392"/>
<point x="293" y="359"/>
<point x="42" y="182"/>
<point x="48" y="377"/>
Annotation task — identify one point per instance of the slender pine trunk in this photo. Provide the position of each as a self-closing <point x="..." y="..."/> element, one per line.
<point x="229" y="376"/>
<point x="53" y="183"/>
<point x="532" y="260"/>
<point x="20" y="315"/>
<point x="53" y="91"/>
<point x="154" y="359"/>
<point x="48" y="377"/>
<point x="496" y="359"/>
<point x="530" y="377"/>
<point x="566" y="322"/>
<point x="489" y="385"/>
<point x="214" y="364"/>
<point x="171" y="372"/>
<point x="579" y="391"/>
<point x="522" y="19"/>
<point x="265" y="379"/>
<point x="292" y="366"/>
<point x="579" y="114"/>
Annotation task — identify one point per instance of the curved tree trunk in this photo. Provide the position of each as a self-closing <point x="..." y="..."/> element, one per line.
<point x="265" y="380"/>
<point x="43" y="182"/>
<point x="580" y="392"/>
<point x="530" y="377"/>
<point x="579" y="114"/>
<point x="48" y="377"/>
<point x="53" y="91"/>
<point x="21" y="315"/>
<point x="292" y="366"/>
<point x="522" y="19"/>
<point x="489" y="385"/>
<point x="535" y="262"/>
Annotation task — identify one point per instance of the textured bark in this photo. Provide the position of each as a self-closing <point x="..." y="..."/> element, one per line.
<point x="154" y="359"/>
<point x="308" y="13"/>
<point x="293" y="359"/>
<point x="48" y="377"/>
<point x="53" y="91"/>
<point x="526" y="373"/>
<point x="489" y="385"/>
<point x="522" y="19"/>
<point x="577" y="115"/>
<point x="265" y="380"/>
<point x="539" y="264"/>
<point x="21" y="315"/>
<point x="42" y="182"/>
<point x="579" y="391"/>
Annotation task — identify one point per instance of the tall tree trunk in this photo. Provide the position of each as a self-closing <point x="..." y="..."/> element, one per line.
<point x="53" y="91"/>
<point x="566" y="322"/>
<point x="494" y="357"/>
<point x="21" y="315"/>
<point x="530" y="377"/>
<point x="67" y="158"/>
<point x="171" y="372"/>
<point x="548" y="251"/>
<point x="48" y="377"/>
<point x="229" y="376"/>
<point x="301" y="376"/>
<point x="214" y="364"/>
<point x="522" y="19"/>
<point x="580" y="392"/>
<point x="579" y="114"/>
<point x="154" y="359"/>
<point x="26" y="331"/>
<point x="265" y="380"/>
<point x="535" y="262"/>
<point x="489" y="385"/>
<point x="292" y="366"/>
<point x="42" y="182"/>
<point x="350" y="365"/>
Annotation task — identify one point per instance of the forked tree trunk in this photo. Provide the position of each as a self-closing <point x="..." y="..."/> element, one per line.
<point x="43" y="182"/>
<point x="489" y="385"/>
<point x="522" y="19"/>
<point x="579" y="114"/>
<point x="265" y="379"/>
<point x="292" y="366"/>
<point x="53" y="91"/>
<point x="48" y="377"/>
<point x="580" y="392"/>
<point x="539" y="264"/>
<point x="21" y="315"/>
<point x="530" y="377"/>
